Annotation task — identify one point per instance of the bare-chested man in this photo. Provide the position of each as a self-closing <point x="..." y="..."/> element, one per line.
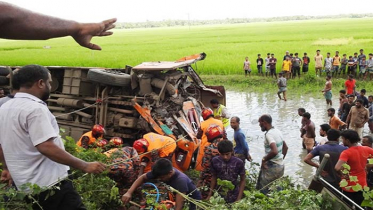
<point x="328" y="90"/>
<point x="309" y="136"/>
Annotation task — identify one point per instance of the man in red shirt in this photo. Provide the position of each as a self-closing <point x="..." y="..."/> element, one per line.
<point x="350" y="85"/>
<point x="356" y="157"/>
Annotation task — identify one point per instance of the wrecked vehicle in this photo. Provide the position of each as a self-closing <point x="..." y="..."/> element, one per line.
<point x="165" y="97"/>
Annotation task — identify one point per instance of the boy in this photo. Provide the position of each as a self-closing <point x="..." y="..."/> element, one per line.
<point x="272" y="65"/>
<point x="227" y="167"/>
<point x="362" y="68"/>
<point x="267" y="63"/>
<point x="163" y="171"/>
<point x="286" y="67"/>
<point x="281" y="83"/>
<point x="306" y="61"/>
<point x="246" y="66"/>
<point x="259" y="64"/>
<point x="344" y="62"/>
<point x="336" y="63"/>
<point x="328" y="63"/>
<point x="350" y="65"/>
<point x="296" y="63"/>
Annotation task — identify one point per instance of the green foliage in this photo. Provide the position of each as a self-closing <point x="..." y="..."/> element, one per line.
<point x="290" y="197"/>
<point x="98" y="191"/>
<point x="226" y="45"/>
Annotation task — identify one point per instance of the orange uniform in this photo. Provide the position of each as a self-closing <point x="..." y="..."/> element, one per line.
<point x="204" y="143"/>
<point x="91" y="138"/>
<point x="157" y="141"/>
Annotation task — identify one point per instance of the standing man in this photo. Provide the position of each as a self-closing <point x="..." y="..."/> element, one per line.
<point x="296" y="63"/>
<point x="272" y="65"/>
<point x="360" y="58"/>
<point x="309" y="136"/>
<point x="328" y="90"/>
<point x="22" y="24"/>
<point x="350" y="85"/>
<point x="306" y="62"/>
<point x="275" y="148"/>
<point x="32" y="149"/>
<point x="328" y="64"/>
<point x="286" y="55"/>
<point x="358" y="116"/>
<point x="347" y="107"/>
<point x="286" y="67"/>
<point x="342" y="99"/>
<point x="220" y="112"/>
<point x="242" y="149"/>
<point x="344" y="62"/>
<point x="356" y="63"/>
<point x="301" y="111"/>
<point x="370" y="66"/>
<point x="318" y="62"/>
<point x="334" y="121"/>
<point x="209" y="121"/>
<point x="259" y="65"/>
<point x="281" y="83"/>
<point x="332" y="148"/>
<point x="246" y="66"/>
<point x="370" y="122"/>
<point x="350" y="65"/>
<point x="324" y="128"/>
<point x="267" y="64"/>
<point x="363" y="98"/>
<point x="336" y="63"/>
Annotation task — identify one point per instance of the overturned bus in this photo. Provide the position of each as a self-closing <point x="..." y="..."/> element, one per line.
<point x="165" y="97"/>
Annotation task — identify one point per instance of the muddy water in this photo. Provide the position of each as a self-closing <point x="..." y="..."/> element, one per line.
<point x="249" y="106"/>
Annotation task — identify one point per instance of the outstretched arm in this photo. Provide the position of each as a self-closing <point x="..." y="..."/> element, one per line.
<point x="19" y="23"/>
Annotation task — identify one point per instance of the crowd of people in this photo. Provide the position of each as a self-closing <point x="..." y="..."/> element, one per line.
<point x="358" y="65"/>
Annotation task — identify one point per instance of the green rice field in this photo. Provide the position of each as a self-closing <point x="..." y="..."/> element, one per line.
<point x="225" y="45"/>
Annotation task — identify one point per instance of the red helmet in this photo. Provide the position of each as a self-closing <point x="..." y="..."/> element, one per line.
<point x="98" y="130"/>
<point x="206" y="113"/>
<point x="101" y="143"/>
<point x="141" y="145"/>
<point x="213" y="132"/>
<point x="116" y="141"/>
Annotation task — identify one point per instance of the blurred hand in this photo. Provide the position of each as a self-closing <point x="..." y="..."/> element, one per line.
<point x="89" y="30"/>
<point x="6" y="177"/>
<point x="249" y="158"/>
<point x="126" y="198"/>
<point x="94" y="167"/>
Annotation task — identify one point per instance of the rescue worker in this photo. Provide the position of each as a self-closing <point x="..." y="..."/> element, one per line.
<point x="209" y="121"/>
<point x="91" y="137"/>
<point x="220" y="112"/>
<point x="159" y="147"/>
<point x="214" y="136"/>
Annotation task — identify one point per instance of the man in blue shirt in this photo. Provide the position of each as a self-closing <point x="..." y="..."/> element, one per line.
<point x="332" y="148"/>
<point x="241" y="150"/>
<point x="162" y="170"/>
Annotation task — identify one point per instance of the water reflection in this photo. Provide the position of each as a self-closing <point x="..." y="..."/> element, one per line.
<point x="249" y="106"/>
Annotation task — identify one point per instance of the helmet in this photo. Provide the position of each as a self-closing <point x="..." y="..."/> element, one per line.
<point x="206" y="113"/>
<point x="116" y="141"/>
<point x="141" y="145"/>
<point x="98" y="130"/>
<point x="101" y="143"/>
<point x="213" y="132"/>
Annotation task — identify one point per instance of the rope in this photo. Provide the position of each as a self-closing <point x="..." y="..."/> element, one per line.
<point x="98" y="101"/>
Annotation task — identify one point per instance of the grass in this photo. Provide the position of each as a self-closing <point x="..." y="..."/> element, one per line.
<point x="225" y="45"/>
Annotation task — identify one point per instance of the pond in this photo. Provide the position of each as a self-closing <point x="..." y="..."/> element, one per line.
<point x="249" y="106"/>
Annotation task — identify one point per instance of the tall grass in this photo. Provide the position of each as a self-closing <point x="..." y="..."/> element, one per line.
<point x="225" y="45"/>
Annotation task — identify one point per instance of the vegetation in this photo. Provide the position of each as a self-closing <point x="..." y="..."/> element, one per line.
<point x="225" y="45"/>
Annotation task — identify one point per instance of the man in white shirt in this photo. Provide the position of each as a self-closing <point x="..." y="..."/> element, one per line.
<point x="275" y="147"/>
<point x="31" y="149"/>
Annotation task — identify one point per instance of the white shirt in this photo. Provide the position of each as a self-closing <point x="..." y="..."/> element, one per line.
<point x="328" y="62"/>
<point x="274" y="136"/>
<point x="25" y="122"/>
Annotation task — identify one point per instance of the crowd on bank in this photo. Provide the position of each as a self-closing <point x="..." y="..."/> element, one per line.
<point x="292" y="64"/>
